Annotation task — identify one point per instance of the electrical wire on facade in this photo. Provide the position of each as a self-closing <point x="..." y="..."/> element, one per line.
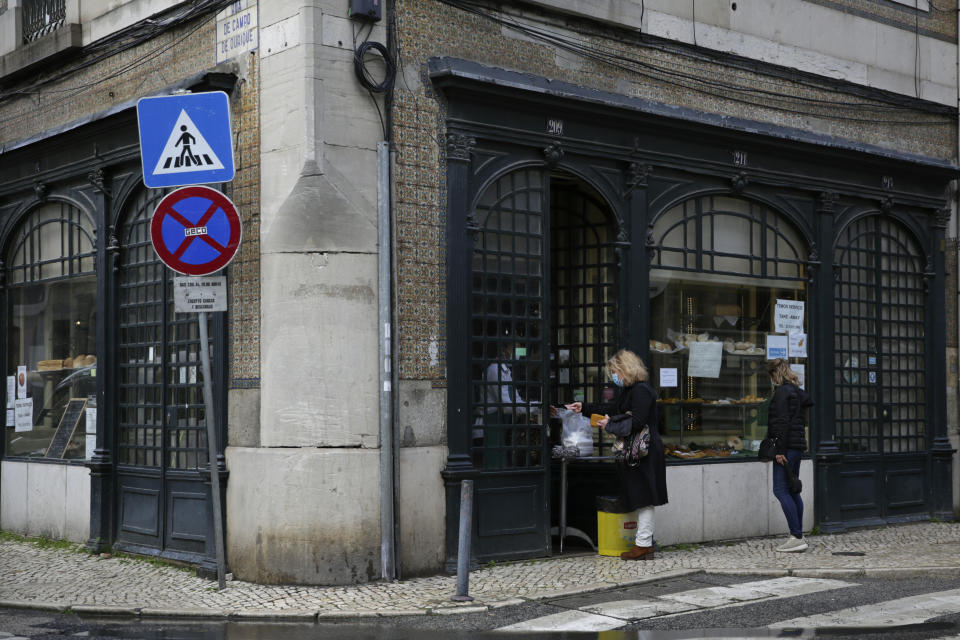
<point x="112" y="45"/>
<point x="942" y="9"/>
<point x="699" y="83"/>
<point x="360" y="53"/>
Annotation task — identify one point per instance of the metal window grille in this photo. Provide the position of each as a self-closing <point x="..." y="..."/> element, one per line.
<point x="41" y="17"/>
<point x="508" y="358"/>
<point x="584" y="294"/>
<point x="879" y="339"/>
<point x="54" y="242"/>
<point x="725" y="235"/>
<point x="161" y="410"/>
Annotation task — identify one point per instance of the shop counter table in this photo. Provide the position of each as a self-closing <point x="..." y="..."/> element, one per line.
<point x="563" y="530"/>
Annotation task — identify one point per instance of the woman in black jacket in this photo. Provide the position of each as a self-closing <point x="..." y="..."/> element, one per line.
<point x="645" y="486"/>
<point x="786" y="426"/>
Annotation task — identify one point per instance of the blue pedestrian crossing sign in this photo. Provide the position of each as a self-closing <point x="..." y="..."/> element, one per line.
<point x="185" y="139"/>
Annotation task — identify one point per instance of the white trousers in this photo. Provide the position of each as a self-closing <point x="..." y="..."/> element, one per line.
<point x="644" y="527"/>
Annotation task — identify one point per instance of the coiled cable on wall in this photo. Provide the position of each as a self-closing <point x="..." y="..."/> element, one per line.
<point x="364" y="75"/>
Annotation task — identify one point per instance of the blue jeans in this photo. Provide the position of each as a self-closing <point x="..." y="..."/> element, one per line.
<point x="791" y="503"/>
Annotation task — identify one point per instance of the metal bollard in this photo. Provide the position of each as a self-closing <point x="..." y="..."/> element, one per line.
<point x="463" y="547"/>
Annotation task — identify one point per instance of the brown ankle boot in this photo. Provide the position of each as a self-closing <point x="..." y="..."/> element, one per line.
<point x="638" y="553"/>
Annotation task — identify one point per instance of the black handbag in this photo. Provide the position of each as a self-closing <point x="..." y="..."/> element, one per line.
<point x="767" y="450"/>
<point x="794" y="485"/>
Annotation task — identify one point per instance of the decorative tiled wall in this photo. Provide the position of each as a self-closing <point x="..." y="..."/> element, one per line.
<point x="673" y="76"/>
<point x="244" y="270"/>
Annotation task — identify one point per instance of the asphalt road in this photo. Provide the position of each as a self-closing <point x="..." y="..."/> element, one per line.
<point x="740" y="620"/>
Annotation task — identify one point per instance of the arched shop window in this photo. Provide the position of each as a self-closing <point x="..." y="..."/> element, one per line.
<point x="51" y="333"/>
<point x="728" y="292"/>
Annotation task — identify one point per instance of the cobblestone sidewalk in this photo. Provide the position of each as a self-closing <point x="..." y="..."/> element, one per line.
<point x="38" y="577"/>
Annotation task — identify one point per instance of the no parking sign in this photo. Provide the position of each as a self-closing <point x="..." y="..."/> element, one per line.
<point x="196" y="230"/>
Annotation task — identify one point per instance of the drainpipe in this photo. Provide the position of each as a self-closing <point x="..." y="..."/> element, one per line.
<point x="955" y="229"/>
<point x="384" y="250"/>
<point x="397" y="542"/>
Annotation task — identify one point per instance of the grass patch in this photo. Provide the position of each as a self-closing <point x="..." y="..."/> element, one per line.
<point x="72" y="547"/>
<point x="43" y="542"/>
<point x="683" y="546"/>
<point x="128" y="558"/>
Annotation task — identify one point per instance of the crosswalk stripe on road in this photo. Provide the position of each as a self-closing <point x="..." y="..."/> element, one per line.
<point x="614" y="614"/>
<point x="902" y="611"/>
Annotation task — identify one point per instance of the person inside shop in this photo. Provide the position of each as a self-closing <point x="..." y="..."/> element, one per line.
<point x="786" y="427"/>
<point x="645" y="486"/>
<point x="502" y="405"/>
<point x="500" y="390"/>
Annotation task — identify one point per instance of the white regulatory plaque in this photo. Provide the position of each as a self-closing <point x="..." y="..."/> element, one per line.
<point x="192" y="295"/>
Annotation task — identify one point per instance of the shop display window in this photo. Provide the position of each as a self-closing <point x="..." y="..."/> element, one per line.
<point x="51" y="329"/>
<point x="727" y="294"/>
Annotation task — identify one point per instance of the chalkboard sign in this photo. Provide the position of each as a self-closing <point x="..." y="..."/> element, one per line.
<point x="68" y="424"/>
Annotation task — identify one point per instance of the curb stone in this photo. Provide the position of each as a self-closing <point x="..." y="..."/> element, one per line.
<point x="827" y="573"/>
<point x="341" y="615"/>
<point x="183" y="613"/>
<point x="392" y="613"/>
<point x="913" y="572"/>
<point x="36" y="606"/>
<point x="272" y="614"/>
<point x="450" y="611"/>
<point x="104" y="610"/>
<point x="500" y="604"/>
<point x="761" y="573"/>
<point x="665" y="575"/>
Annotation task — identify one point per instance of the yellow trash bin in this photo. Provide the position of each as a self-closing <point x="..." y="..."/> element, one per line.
<point x="616" y="531"/>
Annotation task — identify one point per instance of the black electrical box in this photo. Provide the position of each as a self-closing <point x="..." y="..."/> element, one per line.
<point x="364" y="10"/>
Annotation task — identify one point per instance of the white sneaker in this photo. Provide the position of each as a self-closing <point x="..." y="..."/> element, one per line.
<point x="793" y="545"/>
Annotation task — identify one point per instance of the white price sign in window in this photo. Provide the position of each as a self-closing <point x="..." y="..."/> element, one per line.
<point x="668" y="378"/>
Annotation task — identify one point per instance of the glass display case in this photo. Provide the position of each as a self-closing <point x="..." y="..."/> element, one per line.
<point x="708" y="352"/>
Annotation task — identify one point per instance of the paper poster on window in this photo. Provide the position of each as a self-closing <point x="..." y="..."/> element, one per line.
<point x="11" y="420"/>
<point x="798" y="345"/>
<point x="11" y="392"/>
<point x="776" y="346"/>
<point x="23" y="420"/>
<point x="800" y="370"/>
<point x="788" y="316"/>
<point x="705" y="358"/>
<point x="21" y="381"/>
<point x="668" y="378"/>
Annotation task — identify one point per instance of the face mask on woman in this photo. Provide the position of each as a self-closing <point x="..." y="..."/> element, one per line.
<point x="616" y="379"/>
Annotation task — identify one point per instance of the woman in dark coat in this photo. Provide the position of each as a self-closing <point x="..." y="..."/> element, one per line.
<point x="787" y="427"/>
<point x="645" y="486"/>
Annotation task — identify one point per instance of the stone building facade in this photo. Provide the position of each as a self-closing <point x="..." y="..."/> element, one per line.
<point x="807" y="149"/>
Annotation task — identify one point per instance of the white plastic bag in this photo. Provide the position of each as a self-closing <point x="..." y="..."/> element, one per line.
<point x="577" y="431"/>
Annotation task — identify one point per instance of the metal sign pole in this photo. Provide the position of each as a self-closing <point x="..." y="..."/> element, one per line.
<point x="212" y="446"/>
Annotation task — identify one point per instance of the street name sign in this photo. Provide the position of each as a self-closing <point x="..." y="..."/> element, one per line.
<point x="185" y="139"/>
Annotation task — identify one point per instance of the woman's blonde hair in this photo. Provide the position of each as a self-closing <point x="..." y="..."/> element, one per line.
<point x="780" y="371"/>
<point x="629" y="365"/>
